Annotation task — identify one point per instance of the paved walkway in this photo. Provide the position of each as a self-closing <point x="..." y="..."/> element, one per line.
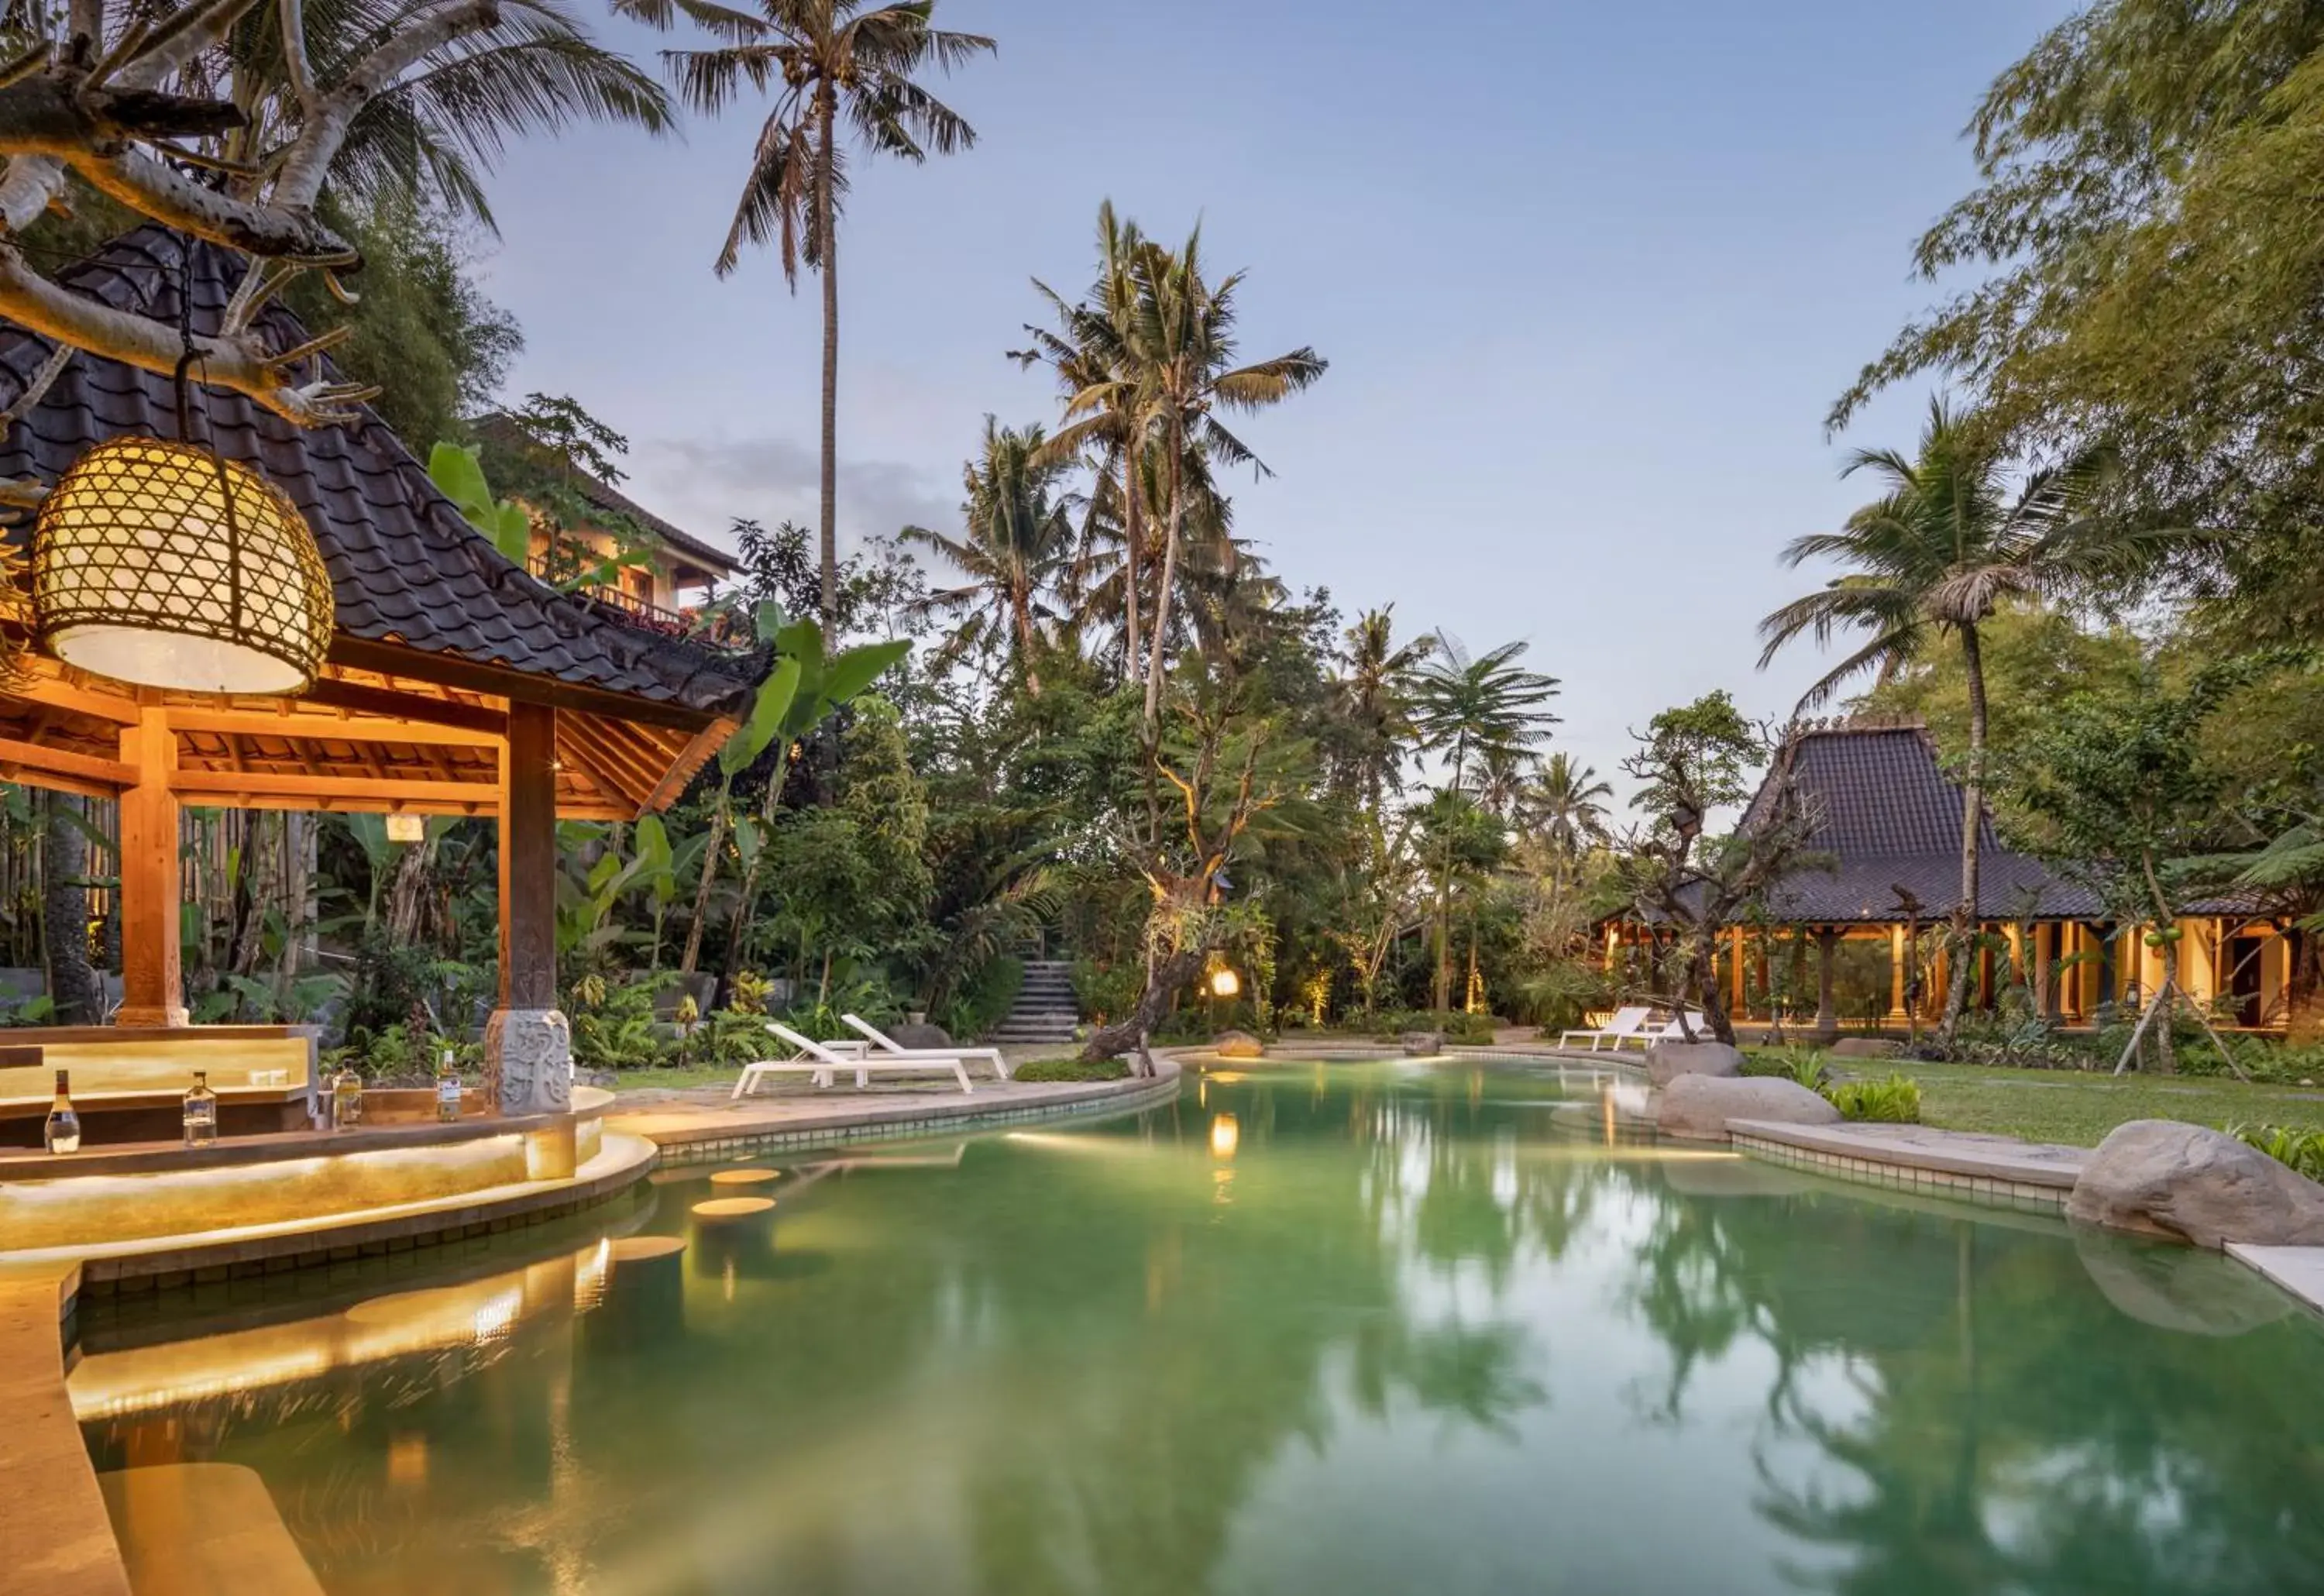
<point x="696" y="1117"/>
<point x="1924" y="1147"/>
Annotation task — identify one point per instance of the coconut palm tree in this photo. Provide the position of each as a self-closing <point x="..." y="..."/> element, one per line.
<point x="830" y="59"/>
<point x="1374" y="692"/>
<point x="1017" y="540"/>
<point x="1467" y="707"/>
<point x="1088" y="349"/>
<point x="1174" y="371"/>
<point x="1945" y="544"/>
<point x="1566" y="804"/>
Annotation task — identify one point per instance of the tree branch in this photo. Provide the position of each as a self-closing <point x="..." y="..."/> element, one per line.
<point x="242" y="364"/>
<point x="300" y="71"/>
<point x="318" y="145"/>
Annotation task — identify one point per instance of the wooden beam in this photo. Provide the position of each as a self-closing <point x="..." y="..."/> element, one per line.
<point x="367" y="699"/>
<point x="49" y="686"/>
<point x="516" y="685"/>
<point x="328" y="728"/>
<point x="331" y="792"/>
<point x="690" y="759"/>
<point x="113" y="774"/>
<point x="153" y="989"/>
<point x="621" y="771"/>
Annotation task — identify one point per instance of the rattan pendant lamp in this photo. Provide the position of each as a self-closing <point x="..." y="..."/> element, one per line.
<point x="166" y="564"/>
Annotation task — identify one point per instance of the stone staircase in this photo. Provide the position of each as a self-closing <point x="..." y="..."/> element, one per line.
<point x="1044" y="1013"/>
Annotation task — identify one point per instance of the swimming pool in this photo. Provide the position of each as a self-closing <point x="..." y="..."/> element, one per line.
<point x="1348" y="1328"/>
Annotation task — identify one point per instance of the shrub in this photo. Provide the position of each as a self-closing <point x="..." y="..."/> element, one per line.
<point x="1072" y="1069"/>
<point x="1105" y="993"/>
<point x="1896" y="1101"/>
<point x="2301" y="1150"/>
<point x="984" y="999"/>
<point x="613" y="1025"/>
<point x="1457" y="1024"/>
<point x="1794" y="1062"/>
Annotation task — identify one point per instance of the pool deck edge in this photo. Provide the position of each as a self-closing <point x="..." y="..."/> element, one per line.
<point x="2298" y="1270"/>
<point x="56" y="1538"/>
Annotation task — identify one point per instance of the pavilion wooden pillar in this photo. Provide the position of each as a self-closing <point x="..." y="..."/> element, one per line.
<point x="1900" y="962"/>
<point x="152" y="987"/>
<point x="1827" y="999"/>
<point x="2045" y="994"/>
<point x="528" y="1044"/>
<point x="529" y="860"/>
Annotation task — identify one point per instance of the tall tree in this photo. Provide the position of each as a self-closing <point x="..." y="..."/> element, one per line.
<point x="2152" y="272"/>
<point x="1018" y="533"/>
<point x="1465" y="706"/>
<point x="832" y="61"/>
<point x="1566" y="804"/>
<point x="1374" y="695"/>
<point x="1089" y="350"/>
<point x="1944" y="544"/>
<point x="1175" y="372"/>
<point x="1693" y="760"/>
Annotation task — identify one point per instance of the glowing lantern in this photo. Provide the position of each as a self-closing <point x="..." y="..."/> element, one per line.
<point x="167" y="565"/>
<point x="1225" y="983"/>
<point x="407" y="828"/>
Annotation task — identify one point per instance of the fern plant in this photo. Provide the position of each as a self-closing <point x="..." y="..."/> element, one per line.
<point x="1896" y="1101"/>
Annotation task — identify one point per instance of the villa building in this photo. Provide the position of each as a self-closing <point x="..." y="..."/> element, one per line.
<point x="1886" y="874"/>
<point x="672" y="574"/>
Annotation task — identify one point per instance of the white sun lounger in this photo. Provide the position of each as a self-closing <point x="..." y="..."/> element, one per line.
<point x="889" y="1047"/>
<point x="823" y="1063"/>
<point x="1626" y="1025"/>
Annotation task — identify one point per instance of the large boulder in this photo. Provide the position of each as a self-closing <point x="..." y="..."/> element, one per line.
<point x="1238" y="1044"/>
<point x="2161" y="1177"/>
<point x="1667" y="1061"/>
<point x="1699" y="1106"/>
<point x="1866" y="1048"/>
<point x="1423" y="1044"/>
<point x="911" y="1034"/>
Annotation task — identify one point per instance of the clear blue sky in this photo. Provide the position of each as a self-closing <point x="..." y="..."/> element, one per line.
<point x="1588" y="277"/>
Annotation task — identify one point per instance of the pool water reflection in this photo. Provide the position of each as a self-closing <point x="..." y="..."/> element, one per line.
<point x="1357" y="1329"/>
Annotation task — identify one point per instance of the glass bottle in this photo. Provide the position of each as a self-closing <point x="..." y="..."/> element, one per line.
<point x="61" y="1134"/>
<point x="448" y="1090"/>
<point x="201" y="1111"/>
<point x="346" y="1100"/>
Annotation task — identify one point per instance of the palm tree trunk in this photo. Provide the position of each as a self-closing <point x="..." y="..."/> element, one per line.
<point x="1019" y="603"/>
<point x="829" y="237"/>
<point x="1162" y="602"/>
<point x="1441" y="987"/>
<point x="1133" y="525"/>
<point x="1965" y="914"/>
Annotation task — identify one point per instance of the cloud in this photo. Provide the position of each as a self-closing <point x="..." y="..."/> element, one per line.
<point x="704" y="484"/>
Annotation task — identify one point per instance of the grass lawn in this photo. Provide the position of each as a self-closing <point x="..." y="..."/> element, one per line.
<point x="2056" y="1105"/>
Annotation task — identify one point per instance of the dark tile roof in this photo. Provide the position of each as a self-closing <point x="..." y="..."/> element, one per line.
<point x="405" y="568"/>
<point x="1890" y="817"/>
<point x="503" y="429"/>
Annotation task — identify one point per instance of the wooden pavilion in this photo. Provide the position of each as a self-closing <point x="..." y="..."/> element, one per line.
<point x="456" y="683"/>
<point x="1887" y="864"/>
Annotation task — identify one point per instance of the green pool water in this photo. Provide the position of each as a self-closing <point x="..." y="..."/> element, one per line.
<point x="1346" y="1329"/>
